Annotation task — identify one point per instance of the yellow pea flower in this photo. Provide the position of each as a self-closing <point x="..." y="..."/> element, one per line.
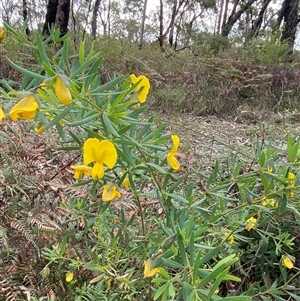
<point x="110" y="192"/>
<point x="24" y="109"/>
<point x="62" y="91"/>
<point x="142" y="89"/>
<point x="2" y="32"/>
<point x="69" y="277"/>
<point x="126" y="183"/>
<point x="81" y="170"/>
<point x="40" y="129"/>
<point x="286" y="262"/>
<point x="250" y="223"/>
<point x="291" y="177"/>
<point x="100" y="153"/>
<point x="229" y="238"/>
<point x="2" y="115"/>
<point x="269" y="202"/>
<point x="172" y="161"/>
<point x="148" y="271"/>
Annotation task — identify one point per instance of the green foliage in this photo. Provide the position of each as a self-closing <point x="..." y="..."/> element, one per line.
<point x="268" y="51"/>
<point x="193" y="238"/>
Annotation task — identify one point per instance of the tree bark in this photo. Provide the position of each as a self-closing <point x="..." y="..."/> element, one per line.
<point x="25" y="16"/>
<point x="258" y="21"/>
<point x="220" y="16"/>
<point x="290" y="18"/>
<point x="234" y="17"/>
<point x="62" y="16"/>
<point x="50" y="16"/>
<point x="94" y="18"/>
<point x="161" y="26"/>
<point x="143" y="25"/>
<point x="172" y="24"/>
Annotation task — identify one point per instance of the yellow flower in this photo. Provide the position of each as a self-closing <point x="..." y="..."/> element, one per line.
<point x="148" y="271"/>
<point x="269" y="202"/>
<point x="126" y="183"/>
<point x="229" y="238"/>
<point x="250" y="223"/>
<point x="62" y="91"/>
<point x="286" y="261"/>
<point x="81" y="170"/>
<point x="142" y="89"/>
<point x="40" y="129"/>
<point x="110" y="192"/>
<point x="2" y="115"/>
<point x="69" y="277"/>
<point x="172" y="161"/>
<point x="99" y="152"/>
<point x="24" y="109"/>
<point x="270" y="169"/>
<point x="2" y="32"/>
<point x="291" y="177"/>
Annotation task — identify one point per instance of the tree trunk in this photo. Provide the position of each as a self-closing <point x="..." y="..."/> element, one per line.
<point x="172" y="24"/>
<point x="235" y="16"/>
<point x="143" y="25"/>
<point x="161" y="26"/>
<point x="258" y="21"/>
<point x="50" y="16"/>
<point x="220" y="17"/>
<point x="25" y="16"/>
<point x="290" y="18"/>
<point x="62" y="16"/>
<point x="94" y="19"/>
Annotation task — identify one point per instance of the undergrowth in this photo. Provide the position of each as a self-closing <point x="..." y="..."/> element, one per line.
<point x="98" y="202"/>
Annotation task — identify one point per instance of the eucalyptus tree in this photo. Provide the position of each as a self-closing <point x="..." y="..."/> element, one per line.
<point x="57" y="15"/>
<point x="289" y="16"/>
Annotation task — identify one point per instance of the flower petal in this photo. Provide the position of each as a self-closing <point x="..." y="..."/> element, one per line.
<point x="172" y="161"/>
<point x="176" y="141"/>
<point x="2" y="115"/>
<point x="286" y="261"/>
<point x="61" y="91"/>
<point x="148" y="271"/>
<point x="250" y="223"/>
<point x="110" y="192"/>
<point x="24" y="109"/>
<point x="100" y="151"/>
<point x="81" y="170"/>
<point x="98" y="170"/>
<point x="142" y="89"/>
<point x="107" y="153"/>
<point x="90" y="150"/>
<point x="69" y="277"/>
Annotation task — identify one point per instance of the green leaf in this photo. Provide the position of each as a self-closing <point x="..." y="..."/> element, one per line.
<point x="171" y="263"/>
<point x="93" y="71"/>
<point x="283" y="204"/>
<point x="63" y="245"/>
<point x="214" y="274"/>
<point x="109" y="125"/>
<point x="297" y="298"/>
<point x="106" y="86"/>
<point x="42" y="53"/>
<point x="156" y="167"/>
<point x="161" y="290"/>
<point x="81" y="52"/>
<point x="64" y="55"/>
<point x="88" y="118"/>
<point x="59" y="117"/>
<point x="219" y="279"/>
<point x="25" y="71"/>
<point x="178" y="197"/>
